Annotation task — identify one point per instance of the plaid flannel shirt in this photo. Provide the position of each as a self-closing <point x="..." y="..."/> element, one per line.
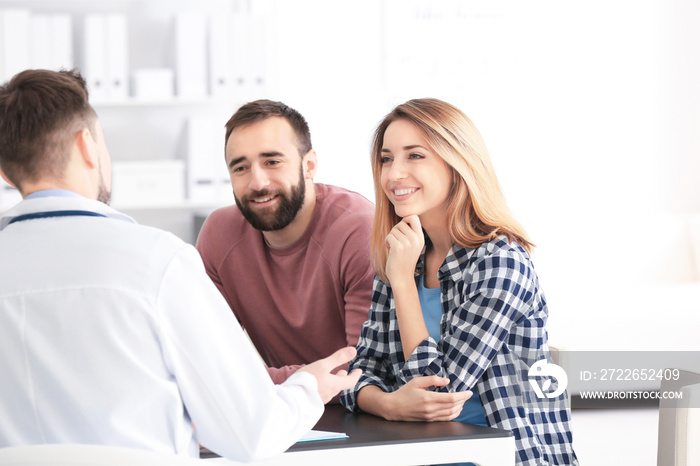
<point x="492" y="332"/>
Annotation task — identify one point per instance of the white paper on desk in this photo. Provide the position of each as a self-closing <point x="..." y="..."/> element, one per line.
<point x="314" y="435"/>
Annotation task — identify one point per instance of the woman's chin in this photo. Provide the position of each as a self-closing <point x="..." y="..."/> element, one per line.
<point x="403" y="213"/>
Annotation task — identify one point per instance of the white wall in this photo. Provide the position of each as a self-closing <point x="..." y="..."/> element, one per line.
<point x="591" y="112"/>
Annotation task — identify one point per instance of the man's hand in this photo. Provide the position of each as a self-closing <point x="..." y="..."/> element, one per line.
<point x="413" y="402"/>
<point x="330" y="384"/>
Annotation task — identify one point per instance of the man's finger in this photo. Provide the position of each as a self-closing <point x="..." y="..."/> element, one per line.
<point x="340" y="357"/>
<point x="351" y="379"/>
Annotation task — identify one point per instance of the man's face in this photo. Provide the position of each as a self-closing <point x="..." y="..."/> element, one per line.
<point x="267" y="173"/>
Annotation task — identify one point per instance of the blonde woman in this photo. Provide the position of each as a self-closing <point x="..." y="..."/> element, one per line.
<point x="458" y="316"/>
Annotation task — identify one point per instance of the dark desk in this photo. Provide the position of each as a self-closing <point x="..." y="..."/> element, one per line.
<point x="373" y="440"/>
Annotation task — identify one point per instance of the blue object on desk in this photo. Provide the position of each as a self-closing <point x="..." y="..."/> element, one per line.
<point x="322" y="435"/>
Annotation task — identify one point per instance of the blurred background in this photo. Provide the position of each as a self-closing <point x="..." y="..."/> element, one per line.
<point x="590" y="111"/>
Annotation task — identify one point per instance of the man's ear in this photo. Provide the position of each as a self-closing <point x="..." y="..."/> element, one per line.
<point x="84" y="143"/>
<point x="7" y="180"/>
<point x="310" y="164"/>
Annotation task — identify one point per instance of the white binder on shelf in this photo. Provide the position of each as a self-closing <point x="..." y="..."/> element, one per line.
<point x="257" y="44"/>
<point x="116" y="57"/>
<point x="14" y="41"/>
<point x="94" y="60"/>
<point x="219" y="45"/>
<point x="51" y="42"/>
<point x="61" y="26"/>
<point x="248" y="56"/>
<point x="40" y="56"/>
<point x="191" y="55"/>
<point x="240" y="53"/>
<point x="207" y="176"/>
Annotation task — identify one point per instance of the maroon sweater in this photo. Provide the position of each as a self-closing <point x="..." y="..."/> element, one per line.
<point x="302" y="302"/>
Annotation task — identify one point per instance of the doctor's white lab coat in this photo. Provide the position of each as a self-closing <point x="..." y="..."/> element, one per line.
<point x="112" y="333"/>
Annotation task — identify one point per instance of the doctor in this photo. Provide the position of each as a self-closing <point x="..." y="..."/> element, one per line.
<point x="112" y="333"/>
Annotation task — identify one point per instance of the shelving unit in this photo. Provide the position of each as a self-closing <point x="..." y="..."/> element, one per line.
<point x="145" y="103"/>
<point x="158" y="129"/>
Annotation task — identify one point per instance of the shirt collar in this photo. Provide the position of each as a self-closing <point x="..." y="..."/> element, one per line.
<point x="52" y="193"/>
<point x="65" y="201"/>
<point x="456" y="257"/>
<point x="451" y="268"/>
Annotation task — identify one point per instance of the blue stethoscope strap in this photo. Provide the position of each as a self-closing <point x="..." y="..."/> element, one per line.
<point x="56" y="213"/>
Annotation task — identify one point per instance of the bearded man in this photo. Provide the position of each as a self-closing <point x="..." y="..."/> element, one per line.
<point x="292" y="256"/>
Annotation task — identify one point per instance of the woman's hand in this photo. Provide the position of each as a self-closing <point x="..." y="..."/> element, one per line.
<point x="413" y="402"/>
<point x="405" y="242"/>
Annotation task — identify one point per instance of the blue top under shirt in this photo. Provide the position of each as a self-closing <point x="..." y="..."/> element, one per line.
<point x="431" y="305"/>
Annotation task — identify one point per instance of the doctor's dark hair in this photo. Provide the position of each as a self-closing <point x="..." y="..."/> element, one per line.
<point x="259" y="110"/>
<point x="41" y="111"/>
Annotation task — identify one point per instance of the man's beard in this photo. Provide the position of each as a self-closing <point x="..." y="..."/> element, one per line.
<point x="277" y="219"/>
<point x="103" y="194"/>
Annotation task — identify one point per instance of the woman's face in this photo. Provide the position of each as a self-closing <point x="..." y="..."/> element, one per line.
<point x="414" y="178"/>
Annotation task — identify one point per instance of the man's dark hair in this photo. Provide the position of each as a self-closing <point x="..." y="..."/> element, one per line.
<point x="41" y="111"/>
<point x="259" y="110"/>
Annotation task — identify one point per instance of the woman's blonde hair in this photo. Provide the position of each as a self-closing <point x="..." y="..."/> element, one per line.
<point x="477" y="211"/>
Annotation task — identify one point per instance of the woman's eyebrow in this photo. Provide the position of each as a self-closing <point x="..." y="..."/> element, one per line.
<point x="411" y="147"/>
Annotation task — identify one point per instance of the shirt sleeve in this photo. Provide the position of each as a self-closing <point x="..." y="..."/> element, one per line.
<point x="497" y="294"/>
<point x="373" y="348"/>
<point x="206" y="255"/>
<point x="356" y="272"/>
<point x="237" y="410"/>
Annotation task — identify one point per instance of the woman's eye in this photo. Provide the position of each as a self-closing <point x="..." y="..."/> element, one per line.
<point x="415" y="156"/>
<point x="385" y="159"/>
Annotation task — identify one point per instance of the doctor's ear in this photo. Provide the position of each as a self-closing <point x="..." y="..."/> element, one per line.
<point x="87" y="147"/>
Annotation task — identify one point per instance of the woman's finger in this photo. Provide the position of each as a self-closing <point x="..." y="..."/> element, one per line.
<point x="413" y="221"/>
<point x="404" y="229"/>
